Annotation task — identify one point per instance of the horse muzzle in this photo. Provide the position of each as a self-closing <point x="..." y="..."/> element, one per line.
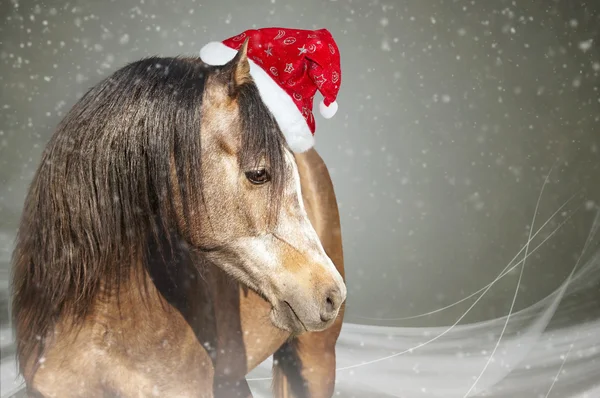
<point x="309" y="309"/>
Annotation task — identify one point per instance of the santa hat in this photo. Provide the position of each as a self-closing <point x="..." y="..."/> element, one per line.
<point x="288" y="66"/>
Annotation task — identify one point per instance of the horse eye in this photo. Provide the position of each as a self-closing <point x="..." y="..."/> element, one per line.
<point x="258" y="177"/>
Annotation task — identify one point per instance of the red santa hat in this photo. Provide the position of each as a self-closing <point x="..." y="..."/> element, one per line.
<point x="288" y="66"/>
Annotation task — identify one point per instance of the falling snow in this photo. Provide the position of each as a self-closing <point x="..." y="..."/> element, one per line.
<point x="451" y="116"/>
<point x="585" y="45"/>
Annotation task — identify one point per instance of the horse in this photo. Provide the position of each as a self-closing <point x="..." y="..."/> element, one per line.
<point x="170" y="242"/>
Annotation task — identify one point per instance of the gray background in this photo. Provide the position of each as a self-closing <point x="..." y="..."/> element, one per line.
<point x="451" y="115"/>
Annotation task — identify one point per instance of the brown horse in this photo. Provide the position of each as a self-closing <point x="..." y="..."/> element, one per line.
<point x="170" y="242"/>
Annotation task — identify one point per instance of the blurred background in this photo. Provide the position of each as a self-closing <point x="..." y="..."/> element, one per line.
<point x="464" y="127"/>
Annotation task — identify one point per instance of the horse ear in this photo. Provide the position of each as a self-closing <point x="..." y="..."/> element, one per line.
<point x="239" y="69"/>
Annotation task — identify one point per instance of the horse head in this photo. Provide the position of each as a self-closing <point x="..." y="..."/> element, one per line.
<point x="254" y="224"/>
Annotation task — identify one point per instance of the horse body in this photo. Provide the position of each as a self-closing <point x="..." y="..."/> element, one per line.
<point x="196" y="308"/>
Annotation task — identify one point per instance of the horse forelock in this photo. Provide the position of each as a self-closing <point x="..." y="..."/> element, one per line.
<point x="105" y="184"/>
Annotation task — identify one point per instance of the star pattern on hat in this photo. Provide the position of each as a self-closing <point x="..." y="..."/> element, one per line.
<point x="320" y="80"/>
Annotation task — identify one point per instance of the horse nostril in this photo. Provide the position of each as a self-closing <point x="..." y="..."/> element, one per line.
<point x="329" y="306"/>
<point x="329" y="310"/>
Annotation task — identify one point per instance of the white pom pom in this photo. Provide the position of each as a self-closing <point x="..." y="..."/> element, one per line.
<point x="328" y="111"/>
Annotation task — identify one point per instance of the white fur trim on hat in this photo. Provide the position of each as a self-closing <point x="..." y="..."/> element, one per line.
<point x="291" y="122"/>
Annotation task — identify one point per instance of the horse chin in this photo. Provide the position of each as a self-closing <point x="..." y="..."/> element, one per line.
<point x="283" y="317"/>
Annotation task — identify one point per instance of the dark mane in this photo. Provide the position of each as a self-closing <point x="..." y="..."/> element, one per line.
<point x="104" y="184"/>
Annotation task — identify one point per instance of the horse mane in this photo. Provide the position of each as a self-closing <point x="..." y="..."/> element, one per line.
<point x="104" y="187"/>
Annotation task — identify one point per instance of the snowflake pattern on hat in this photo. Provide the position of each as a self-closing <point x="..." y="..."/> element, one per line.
<point x="288" y="66"/>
